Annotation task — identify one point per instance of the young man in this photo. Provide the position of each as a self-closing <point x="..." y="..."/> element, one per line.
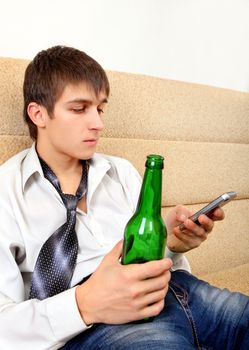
<point x="63" y="209"/>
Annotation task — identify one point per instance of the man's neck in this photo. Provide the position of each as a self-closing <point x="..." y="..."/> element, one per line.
<point x="67" y="170"/>
<point x="61" y="164"/>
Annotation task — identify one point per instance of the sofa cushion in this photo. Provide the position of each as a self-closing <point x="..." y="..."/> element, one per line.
<point x="234" y="279"/>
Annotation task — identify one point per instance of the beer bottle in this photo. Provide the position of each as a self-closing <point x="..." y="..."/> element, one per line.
<point x="145" y="233"/>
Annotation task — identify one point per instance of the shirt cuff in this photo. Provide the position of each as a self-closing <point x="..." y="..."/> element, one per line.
<point x="180" y="262"/>
<point x="64" y="316"/>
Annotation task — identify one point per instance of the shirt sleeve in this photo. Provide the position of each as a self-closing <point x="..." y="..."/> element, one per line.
<point x="30" y="324"/>
<point x="35" y="324"/>
<point x="180" y="262"/>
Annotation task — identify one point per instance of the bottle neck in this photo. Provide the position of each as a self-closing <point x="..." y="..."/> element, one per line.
<point x="150" y="198"/>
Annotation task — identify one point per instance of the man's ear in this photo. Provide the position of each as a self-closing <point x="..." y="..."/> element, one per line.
<point x="37" y="114"/>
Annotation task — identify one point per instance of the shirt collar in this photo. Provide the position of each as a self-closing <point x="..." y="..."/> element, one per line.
<point x="30" y="165"/>
<point x="99" y="166"/>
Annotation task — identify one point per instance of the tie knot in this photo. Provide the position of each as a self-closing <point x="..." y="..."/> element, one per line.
<point x="70" y="201"/>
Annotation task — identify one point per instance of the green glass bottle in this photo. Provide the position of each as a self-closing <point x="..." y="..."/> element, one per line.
<point x="145" y="233"/>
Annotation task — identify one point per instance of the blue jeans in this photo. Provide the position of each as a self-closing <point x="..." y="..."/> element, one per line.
<point x="196" y="316"/>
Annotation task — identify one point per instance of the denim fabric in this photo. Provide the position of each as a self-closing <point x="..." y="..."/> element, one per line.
<point x="196" y="316"/>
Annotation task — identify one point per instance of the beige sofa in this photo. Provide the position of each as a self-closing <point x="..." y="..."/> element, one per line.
<point x="203" y="133"/>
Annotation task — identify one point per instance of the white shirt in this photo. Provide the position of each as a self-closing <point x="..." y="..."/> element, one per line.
<point x="30" y="211"/>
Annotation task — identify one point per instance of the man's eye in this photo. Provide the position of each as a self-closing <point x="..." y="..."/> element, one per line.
<point x="79" y="110"/>
<point x="100" y="110"/>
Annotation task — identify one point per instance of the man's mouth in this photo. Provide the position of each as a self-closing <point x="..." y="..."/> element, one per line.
<point x="91" y="141"/>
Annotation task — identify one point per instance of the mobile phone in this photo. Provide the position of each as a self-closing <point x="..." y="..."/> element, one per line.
<point x="218" y="202"/>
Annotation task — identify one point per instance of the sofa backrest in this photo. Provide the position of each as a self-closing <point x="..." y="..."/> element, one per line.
<point x="202" y="131"/>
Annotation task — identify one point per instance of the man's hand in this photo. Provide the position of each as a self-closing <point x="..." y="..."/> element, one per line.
<point x="118" y="294"/>
<point x="193" y="235"/>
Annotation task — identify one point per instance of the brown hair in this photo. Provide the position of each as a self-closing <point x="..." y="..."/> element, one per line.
<point x="51" y="70"/>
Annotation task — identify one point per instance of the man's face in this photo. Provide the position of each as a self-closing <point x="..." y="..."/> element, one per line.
<point x="76" y="124"/>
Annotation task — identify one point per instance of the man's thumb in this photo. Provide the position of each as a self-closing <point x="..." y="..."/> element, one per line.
<point x="116" y="251"/>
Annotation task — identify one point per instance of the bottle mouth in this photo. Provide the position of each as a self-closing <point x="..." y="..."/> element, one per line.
<point x="154" y="161"/>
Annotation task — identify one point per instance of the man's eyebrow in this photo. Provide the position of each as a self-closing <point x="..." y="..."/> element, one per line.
<point x="104" y="100"/>
<point x="84" y="100"/>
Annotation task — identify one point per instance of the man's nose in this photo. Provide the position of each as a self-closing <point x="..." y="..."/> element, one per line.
<point x="96" y="121"/>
